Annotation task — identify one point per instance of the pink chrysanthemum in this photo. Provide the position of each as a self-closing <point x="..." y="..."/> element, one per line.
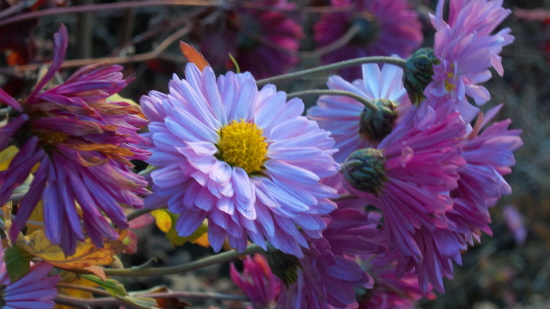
<point x="34" y="290"/>
<point x="389" y="291"/>
<point x="328" y="273"/>
<point x="409" y="176"/>
<point x="466" y="49"/>
<point x="342" y="115"/>
<point x="243" y="158"/>
<point x="263" y="42"/>
<point x="257" y="281"/>
<point x="82" y="143"/>
<point x="386" y="27"/>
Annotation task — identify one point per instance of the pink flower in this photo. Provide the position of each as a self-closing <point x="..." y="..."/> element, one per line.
<point x="263" y="42"/>
<point x="82" y="143"/>
<point x="516" y="223"/>
<point x="243" y="158"/>
<point x="386" y="27"/>
<point x="466" y="49"/>
<point x="34" y="290"/>
<point x="257" y="281"/>
<point x="342" y="115"/>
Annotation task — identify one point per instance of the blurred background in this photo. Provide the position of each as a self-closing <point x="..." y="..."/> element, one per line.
<point x="511" y="269"/>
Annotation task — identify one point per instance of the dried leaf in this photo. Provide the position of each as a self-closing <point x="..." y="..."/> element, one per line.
<point x="164" y="303"/>
<point x="86" y="253"/>
<point x="193" y="56"/>
<point x="6" y="156"/>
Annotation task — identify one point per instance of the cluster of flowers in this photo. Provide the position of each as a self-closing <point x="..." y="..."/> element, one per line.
<point x="248" y="161"/>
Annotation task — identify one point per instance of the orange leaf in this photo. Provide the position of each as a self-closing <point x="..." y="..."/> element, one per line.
<point x="86" y="253"/>
<point x="193" y="55"/>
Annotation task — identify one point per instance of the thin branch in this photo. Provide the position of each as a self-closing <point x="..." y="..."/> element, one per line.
<point x="345" y="39"/>
<point x="115" y="60"/>
<point x="331" y="67"/>
<point x="138" y="213"/>
<point x="178" y="269"/>
<point x="93" y="302"/>
<point x="350" y="94"/>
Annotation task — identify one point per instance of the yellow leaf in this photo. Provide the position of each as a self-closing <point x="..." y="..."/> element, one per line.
<point x="86" y="253"/>
<point x="6" y="156"/>
<point x="162" y="219"/>
<point x="193" y="56"/>
<point x="36" y="220"/>
<point x="117" y="98"/>
<point x="202" y="240"/>
<point x="73" y="279"/>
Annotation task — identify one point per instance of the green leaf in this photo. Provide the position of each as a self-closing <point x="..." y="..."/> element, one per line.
<point x="18" y="262"/>
<point x="110" y="285"/>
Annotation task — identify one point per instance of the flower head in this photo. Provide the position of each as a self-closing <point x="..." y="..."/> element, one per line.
<point x="243" y="158"/>
<point x="257" y="38"/>
<point x="258" y="282"/>
<point x="384" y="28"/>
<point x="81" y="142"/>
<point x="34" y="290"/>
<point x="344" y="117"/>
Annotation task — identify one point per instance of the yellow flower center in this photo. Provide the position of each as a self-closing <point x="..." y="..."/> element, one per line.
<point x="242" y="144"/>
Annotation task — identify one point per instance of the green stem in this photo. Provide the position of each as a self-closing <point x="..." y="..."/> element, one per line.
<point x="350" y="94"/>
<point x="137" y="213"/>
<point x="178" y="269"/>
<point x="335" y="66"/>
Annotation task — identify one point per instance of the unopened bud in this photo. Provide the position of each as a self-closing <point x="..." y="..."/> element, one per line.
<point x="284" y="266"/>
<point x="375" y="125"/>
<point x="418" y="73"/>
<point x="364" y="170"/>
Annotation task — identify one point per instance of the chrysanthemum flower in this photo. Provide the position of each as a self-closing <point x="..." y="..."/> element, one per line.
<point x="466" y="49"/>
<point x="328" y="273"/>
<point x="387" y="27"/>
<point x="409" y="176"/>
<point x="344" y="116"/>
<point x="243" y="158"/>
<point x="257" y="281"/>
<point x="81" y="142"/>
<point x="34" y="290"/>
<point x="263" y="42"/>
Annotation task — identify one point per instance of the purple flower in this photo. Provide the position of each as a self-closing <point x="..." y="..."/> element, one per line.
<point x="81" y="142"/>
<point x="466" y="50"/>
<point x="342" y="115"/>
<point x="34" y="290"/>
<point x="263" y="42"/>
<point x="258" y="282"/>
<point x="243" y="158"/>
<point x="515" y="223"/>
<point x="386" y="27"/>
<point x="328" y="273"/>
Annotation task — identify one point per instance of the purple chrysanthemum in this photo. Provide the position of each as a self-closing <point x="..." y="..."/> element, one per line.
<point x="34" y="290"/>
<point x="243" y="158"/>
<point x="263" y="42"/>
<point x="386" y="27"/>
<point x="257" y="281"/>
<point x="328" y="272"/>
<point x="466" y="49"/>
<point x="81" y="142"/>
<point x="342" y="115"/>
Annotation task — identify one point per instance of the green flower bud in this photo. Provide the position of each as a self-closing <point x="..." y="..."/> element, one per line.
<point x="284" y="266"/>
<point x="364" y="170"/>
<point x="375" y="125"/>
<point x="368" y="29"/>
<point x="418" y="73"/>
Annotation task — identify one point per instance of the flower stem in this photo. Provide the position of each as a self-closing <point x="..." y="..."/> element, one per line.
<point x="350" y="94"/>
<point x="178" y="269"/>
<point x="335" y="66"/>
<point x="138" y="213"/>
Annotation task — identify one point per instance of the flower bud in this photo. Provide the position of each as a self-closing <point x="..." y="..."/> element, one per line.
<point x="284" y="266"/>
<point x="364" y="170"/>
<point x="418" y="73"/>
<point x="375" y="125"/>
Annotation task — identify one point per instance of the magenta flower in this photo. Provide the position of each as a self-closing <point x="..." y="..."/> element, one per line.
<point x="34" y="290"/>
<point x="389" y="291"/>
<point x="466" y="49"/>
<point x="258" y="282"/>
<point x="243" y="158"/>
<point x="263" y="42"/>
<point x="328" y="273"/>
<point x="82" y="143"/>
<point x="386" y="27"/>
<point x="342" y="115"/>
